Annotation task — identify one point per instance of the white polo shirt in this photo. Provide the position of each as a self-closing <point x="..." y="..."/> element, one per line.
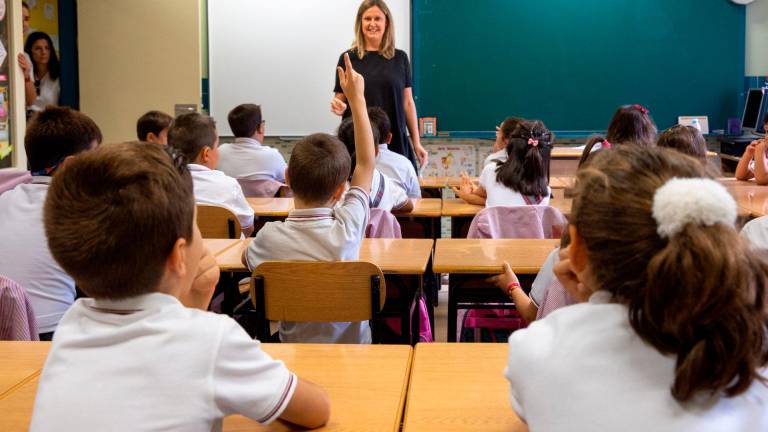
<point x="497" y="155"/>
<point x="49" y="93"/>
<point x="500" y="195"/>
<point x="149" y="363"/>
<point x="756" y="231"/>
<point x="386" y="194"/>
<point x="247" y="158"/>
<point x="544" y="277"/>
<point x="583" y="368"/>
<point x="400" y="169"/>
<point x="25" y="257"/>
<point x="319" y="234"/>
<point x="216" y="188"/>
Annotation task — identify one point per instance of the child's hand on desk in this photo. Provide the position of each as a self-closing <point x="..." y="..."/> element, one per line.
<point x="568" y="277"/>
<point x="351" y="82"/>
<point x="504" y="280"/>
<point x="199" y="295"/>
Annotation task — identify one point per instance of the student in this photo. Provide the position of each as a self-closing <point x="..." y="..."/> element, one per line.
<point x="754" y="161"/>
<point x="685" y="139"/>
<point x="386" y="193"/>
<point x="503" y="134"/>
<point x="319" y="229"/>
<point x="153" y="127"/>
<point x="121" y="220"/>
<point x="672" y="336"/>
<point x="247" y="157"/>
<point x="521" y="179"/>
<point x="194" y="135"/>
<point x="55" y="136"/>
<point x="631" y="124"/>
<point x="393" y="165"/>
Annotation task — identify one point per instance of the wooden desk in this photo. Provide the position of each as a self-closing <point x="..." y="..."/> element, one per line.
<point x="219" y="246"/>
<point x="20" y="362"/>
<point x="366" y="385"/>
<point x="424" y="208"/>
<point x="751" y="199"/>
<point x="393" y="256"/>
<point x="459" y="387"/>
<point x="470" y="261"/>
<point x="485" y="256"/>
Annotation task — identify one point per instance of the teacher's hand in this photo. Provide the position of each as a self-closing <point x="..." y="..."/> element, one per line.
<point x="421" y="154"/>
<point x="338" y="106"/>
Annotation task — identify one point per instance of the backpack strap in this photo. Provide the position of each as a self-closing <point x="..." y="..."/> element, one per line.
<point x="533" y="199"/>
<point x="376" y="200"/>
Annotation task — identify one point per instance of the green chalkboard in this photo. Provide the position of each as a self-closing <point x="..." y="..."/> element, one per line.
<point x="570" y="63"/>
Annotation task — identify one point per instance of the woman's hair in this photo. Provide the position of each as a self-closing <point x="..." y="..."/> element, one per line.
<point x="698" y="295"/>
<point x="632" y="123"/>
<point x="54" y="67"/>
<point x="387" y="48"/>
<point x="525" y="170"/>
<point x="685" y="139"/>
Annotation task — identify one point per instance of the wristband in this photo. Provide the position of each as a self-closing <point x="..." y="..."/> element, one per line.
<point x="511" y="287"/>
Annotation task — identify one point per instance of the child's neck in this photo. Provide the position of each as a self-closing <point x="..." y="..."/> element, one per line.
<point x="205" y="164"/>
<point x="301" y="204"/>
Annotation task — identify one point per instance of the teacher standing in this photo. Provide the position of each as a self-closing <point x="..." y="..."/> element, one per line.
<point x="387" y="74"/>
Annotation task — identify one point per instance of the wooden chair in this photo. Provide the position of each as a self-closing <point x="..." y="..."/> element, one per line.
<point x="307" y="291"/>
<point x="217" y="222"/>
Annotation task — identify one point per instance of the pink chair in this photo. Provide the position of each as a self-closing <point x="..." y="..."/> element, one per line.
<point x="555" y="298"/>
<point x="260" y="187"/>
<point x="383" y="224"/>
<point x="531" y="222"/>
<point x="17" y="320"/>
<point x="11" y="177"/>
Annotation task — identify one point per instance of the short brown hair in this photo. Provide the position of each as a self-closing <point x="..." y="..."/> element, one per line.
<point x="632" y="123"/>
<point x="244" y="120"/>
<point x="685" y="139"/>
<point x="152" y="122"/>
<point x="192" y="132"/>
<point x="318" y="165"/>
<point x="380" y="121"/>
<point x="58" y="132"/>
<point x="346" y="134"/>
<point x="113" y="215"/>
<point x="699" y="295"/>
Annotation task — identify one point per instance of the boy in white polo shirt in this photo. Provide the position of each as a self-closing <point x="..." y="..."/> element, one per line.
<point x="386" y="193"/>
<point x="391" y="164"/>
<point x="319" y="230"/>
<point x="194" y="136"/>
<point x="53" y="138"/>
<point x="133" y="357"/>
<point x="247" y="158"/>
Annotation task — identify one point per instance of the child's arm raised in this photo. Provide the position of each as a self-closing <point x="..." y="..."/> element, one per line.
<point x="353" y="85"/>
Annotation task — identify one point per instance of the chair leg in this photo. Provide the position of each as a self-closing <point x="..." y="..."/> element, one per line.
<point x="375" y="309"/>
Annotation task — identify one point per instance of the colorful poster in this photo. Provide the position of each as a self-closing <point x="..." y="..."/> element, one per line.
<point x="450" y="160"/>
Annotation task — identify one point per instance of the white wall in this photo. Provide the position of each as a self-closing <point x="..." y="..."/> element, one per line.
<point x="757" y="38"/>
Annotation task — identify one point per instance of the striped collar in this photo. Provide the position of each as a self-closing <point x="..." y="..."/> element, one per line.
<point x="310" y="214"/>
<point x="154" y="300"/>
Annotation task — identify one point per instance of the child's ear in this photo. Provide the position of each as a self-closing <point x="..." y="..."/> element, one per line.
<point x="287" y="179"/>
<point x="205" y="154"/>
<point x="577" y="251"/>
<point x="260" y="129"/>
<point x="151" y="137"/>
<point x="389" y="138"/>
<point x="175" y="263"/>
<point x="339" y="191"/>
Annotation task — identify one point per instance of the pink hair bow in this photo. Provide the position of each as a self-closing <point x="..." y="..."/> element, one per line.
<point x="533" y="142"/>
<point x="641" y="108"/>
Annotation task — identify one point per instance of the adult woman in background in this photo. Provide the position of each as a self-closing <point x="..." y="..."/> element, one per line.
<point x="41" y="83"/>
<point x="387" y="74"/>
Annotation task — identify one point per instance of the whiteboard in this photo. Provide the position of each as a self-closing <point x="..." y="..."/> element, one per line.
<point x="282" y="54"/>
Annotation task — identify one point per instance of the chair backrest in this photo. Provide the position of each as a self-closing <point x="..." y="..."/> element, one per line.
<point x="383" y="224"/>
<point x="257" y="188"/>
<point x="17" y="320"/>
<point x="217" y="222"/>
<point x="555" y="298"/>
<point x="11" y="177"/>
<point x="528" y="221"/>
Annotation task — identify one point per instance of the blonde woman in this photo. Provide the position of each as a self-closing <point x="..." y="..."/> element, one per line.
<point x="387" y="74"/>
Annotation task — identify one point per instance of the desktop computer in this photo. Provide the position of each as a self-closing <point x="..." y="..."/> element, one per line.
<point x="752" y="125"/>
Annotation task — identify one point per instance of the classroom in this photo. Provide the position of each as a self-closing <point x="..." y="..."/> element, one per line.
<point x="383" y="215"/>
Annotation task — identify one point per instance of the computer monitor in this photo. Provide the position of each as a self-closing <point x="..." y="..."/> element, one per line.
<point x="752" y="119"/>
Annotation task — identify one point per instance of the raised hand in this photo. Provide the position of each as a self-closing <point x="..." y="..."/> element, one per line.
<point x="351" y="82"/>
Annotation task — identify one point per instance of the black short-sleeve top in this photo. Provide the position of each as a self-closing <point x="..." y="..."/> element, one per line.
<point x="385" y="81"/>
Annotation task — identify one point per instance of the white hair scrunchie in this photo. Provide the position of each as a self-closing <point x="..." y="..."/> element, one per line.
<point x="700" y="201"/>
